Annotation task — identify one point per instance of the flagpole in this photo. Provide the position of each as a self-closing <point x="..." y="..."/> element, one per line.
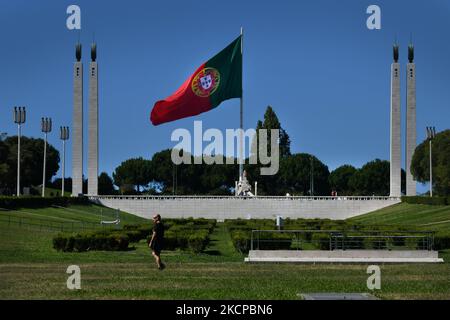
<point x="241" y="138"/>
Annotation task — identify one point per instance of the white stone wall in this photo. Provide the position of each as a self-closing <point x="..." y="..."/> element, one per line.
<point x="221" y="208"/>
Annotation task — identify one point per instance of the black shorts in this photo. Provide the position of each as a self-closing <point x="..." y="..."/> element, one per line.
<point x="156" y="248"/>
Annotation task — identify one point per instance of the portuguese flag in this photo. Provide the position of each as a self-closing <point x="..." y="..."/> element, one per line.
<point x="216" y="80"/>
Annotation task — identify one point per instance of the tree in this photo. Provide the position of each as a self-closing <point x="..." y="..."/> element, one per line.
<point x="105" y="184"/>
<point x="57" y="184"/>
<point x="271" y="122"/>
<point x="295" y="175"/>
<point x="3" y="164"/>
<point x="135" y="171"/>
<point x="420" y="165"/>
<point x="31" y="161"/>
<point x="340" y="177"/>
<point x="191" y="178"/>
<point x="372" y="179"/>
<point x="268" y="184"/>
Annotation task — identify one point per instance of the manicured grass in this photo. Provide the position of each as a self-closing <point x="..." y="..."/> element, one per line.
<point x="31" y="269"/>
<point x="426" y="217"/>
<point x="90" y="214"/>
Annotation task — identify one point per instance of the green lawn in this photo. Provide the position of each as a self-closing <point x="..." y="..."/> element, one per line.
<point x="74" y="217"/>
<point x="426" y="217"/>
<point x="30" y="268"/>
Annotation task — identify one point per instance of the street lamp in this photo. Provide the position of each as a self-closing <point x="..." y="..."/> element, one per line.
<point x="19" y="118"/>
<point x="64" y="135"/>
<point x="311" y="182"/>
<point x="431" y="133"/>
<point x="46" y="127"/>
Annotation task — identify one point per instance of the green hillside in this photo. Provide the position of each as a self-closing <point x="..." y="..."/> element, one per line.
<point x="429" y="217"/>
<point x="73" y="217"/>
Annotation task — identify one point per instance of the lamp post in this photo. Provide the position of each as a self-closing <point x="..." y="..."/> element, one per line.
<point x="46" y="127"/>
<point x="19" y="118"/>
<point x="431" y="133"/>
<point x="64" y="135"/>
<point x="312" y="177"/>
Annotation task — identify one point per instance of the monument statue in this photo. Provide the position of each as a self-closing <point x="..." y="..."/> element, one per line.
<point x="411" y="53"/>
<point x="395" y="53"/>
<point x="93" y="52"/>
<point x="78" y="51"/>
<point x="244" y="188"/>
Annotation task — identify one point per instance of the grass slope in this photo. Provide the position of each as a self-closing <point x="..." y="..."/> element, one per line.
<point x="74" y="214"/>
<point x="426" y="217"/>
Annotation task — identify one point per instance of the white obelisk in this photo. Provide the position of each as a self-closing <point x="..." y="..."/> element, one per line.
<point x="77" y="146"/>
<point x="410" y="120"/>
<point x="93" y="124"/>
<point x="395" y="162"/>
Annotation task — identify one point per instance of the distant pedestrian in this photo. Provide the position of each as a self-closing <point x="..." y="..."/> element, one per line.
<point x="157" y="240"/>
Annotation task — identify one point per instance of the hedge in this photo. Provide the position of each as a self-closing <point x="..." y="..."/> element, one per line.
<point x="274" y="241"/>
<point x="81" y="242"/>
<point x="441" y="241"/>
<point x="241" y="241"/>
<point x="39" y="202"/>
<point x="321" y="240"/>
<point x="438" y="201"/>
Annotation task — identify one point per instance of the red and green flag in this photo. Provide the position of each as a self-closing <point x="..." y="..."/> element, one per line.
<point x="216" y="80"/>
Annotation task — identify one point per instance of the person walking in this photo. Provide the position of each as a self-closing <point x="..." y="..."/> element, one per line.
<point x="157" y="240"/>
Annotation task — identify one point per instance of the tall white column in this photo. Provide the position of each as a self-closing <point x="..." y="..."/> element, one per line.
<point x="77" y="146"/>
<point x="410" y="121"/>
<point x="93" y="125"/>
<point x="395" y="163"/>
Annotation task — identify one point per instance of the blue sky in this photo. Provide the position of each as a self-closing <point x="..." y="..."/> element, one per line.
<point x="325" y="74"/>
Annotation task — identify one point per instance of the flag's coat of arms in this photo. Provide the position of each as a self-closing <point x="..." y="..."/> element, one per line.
<point x="205" y="82"/>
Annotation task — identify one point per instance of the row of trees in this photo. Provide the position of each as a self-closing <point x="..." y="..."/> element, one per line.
<point x="297" y="172"/>
<point x="31" y="163"/>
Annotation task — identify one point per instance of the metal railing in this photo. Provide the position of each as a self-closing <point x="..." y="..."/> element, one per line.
<point x="341" y="240"/>
<point x="173" y="197"/>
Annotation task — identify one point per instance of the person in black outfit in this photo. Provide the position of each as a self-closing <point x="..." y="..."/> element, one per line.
<point x="157" y="241"/>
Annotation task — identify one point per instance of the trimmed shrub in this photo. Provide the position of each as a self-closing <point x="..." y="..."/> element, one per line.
<point x="82" y="242"/>
<point x="60" y="242"/>
<point x="375" y="243"/>
<point x="321" y="240"/>
<point x="442" y="241"/>
<point x="411" y="243"/>
<point x="275" y="241"/>
<point x="170" y="240"/>
<point x="391" y="243"/>
<point x="241" y="241"/>
<point x="197" y="242"/>
<point x="438" y="201"/>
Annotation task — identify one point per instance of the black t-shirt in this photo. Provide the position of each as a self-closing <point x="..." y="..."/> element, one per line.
<point x="159" y="230"/>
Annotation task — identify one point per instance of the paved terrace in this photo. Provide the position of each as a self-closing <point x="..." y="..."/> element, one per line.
<point x="231" y="207"/>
